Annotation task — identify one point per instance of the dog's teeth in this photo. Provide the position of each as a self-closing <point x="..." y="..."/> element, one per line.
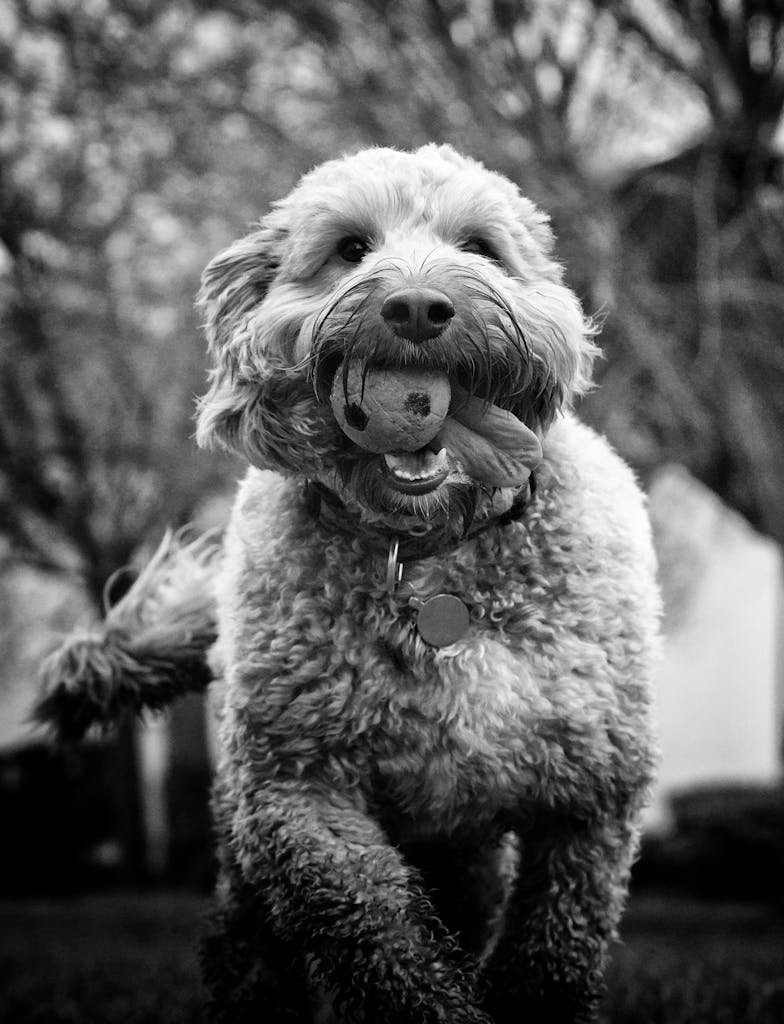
<point x="421" y="465"/>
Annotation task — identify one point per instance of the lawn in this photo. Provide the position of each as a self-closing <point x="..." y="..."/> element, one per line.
<point x="114" y="959"/>
<point x="130" y="959"/>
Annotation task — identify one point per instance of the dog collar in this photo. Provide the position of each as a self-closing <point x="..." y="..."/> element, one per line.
<point x="441" y="618"/>
<point x="411" y="547"/>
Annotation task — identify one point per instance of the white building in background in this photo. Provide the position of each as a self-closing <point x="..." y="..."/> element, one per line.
<point x="721" y="680"/>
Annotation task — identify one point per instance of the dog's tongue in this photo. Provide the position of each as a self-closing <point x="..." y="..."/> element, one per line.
<point x="493" y="446"/>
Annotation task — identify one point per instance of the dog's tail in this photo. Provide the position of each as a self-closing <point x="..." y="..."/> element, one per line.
<point x="151" y="647"/>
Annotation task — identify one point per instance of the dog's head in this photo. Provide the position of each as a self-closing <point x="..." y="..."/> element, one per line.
<point x="423" y="276"/>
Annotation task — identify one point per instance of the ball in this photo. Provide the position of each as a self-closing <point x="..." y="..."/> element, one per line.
<point x="386" y="410"/>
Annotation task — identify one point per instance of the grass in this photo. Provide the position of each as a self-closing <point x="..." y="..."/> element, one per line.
<point x="683" y="962"/>
<point x="130" y="959"/>
<point x="119" y="959"/>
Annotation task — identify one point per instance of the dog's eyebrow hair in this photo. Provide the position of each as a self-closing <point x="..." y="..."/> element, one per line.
<point x="498" y="239"/>
<point x="346" y="229"/>
<point x="337" y="223"/>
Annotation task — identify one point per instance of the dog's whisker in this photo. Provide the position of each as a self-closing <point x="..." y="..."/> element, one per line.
<point x="483" y="350"/>
<point x="350" y="328"/>
<point x="429" y="256"/>
<point x="363" y="286"/>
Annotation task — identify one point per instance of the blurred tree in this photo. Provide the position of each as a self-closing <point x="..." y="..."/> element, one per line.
<point x="701" y="229"/>
<point x="136" y="138"/>
<point x="115" y="124"/>
<point x="123" y="128"/>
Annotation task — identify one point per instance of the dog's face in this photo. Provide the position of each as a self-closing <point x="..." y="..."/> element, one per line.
<point x="424" y="263"/>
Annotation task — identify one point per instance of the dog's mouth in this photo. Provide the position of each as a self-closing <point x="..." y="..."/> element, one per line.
<point x="417" y="472"/>
<point x="422" y="430"/>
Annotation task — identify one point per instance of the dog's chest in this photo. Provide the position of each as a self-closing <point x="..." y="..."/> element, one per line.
<point x="337" y="683"/>
<point x="339" y="680"/>
<point x="451" y="741"/>
<point x="439" y="735"/>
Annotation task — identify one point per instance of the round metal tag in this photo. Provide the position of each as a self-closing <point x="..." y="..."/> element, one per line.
<point x="442" y="619"/>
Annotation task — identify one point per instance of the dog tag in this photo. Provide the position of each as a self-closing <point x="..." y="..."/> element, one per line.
<point x="442" y="619"/>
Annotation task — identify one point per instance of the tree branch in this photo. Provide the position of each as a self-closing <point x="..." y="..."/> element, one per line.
<point x="708" y="264"/>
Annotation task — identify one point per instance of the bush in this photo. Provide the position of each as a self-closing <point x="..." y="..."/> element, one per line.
<point x="727" y="843"/>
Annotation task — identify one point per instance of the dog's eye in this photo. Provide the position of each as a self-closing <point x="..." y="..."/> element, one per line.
<point x="480" y="247"/>
<point x="353" y="249"/>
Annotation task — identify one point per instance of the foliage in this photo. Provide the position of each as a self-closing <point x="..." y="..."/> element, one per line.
<point x="136" y="138"/>
<point x="116" y="123"/>
<point x="726" y="842"/>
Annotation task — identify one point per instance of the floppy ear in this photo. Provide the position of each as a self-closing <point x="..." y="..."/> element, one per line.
<point x="256" y="406"/>
<point x="551" y="318"/>
<point x="536" y="224"/>
<point x="232" y="286"/>
<point x="561" y="339"/>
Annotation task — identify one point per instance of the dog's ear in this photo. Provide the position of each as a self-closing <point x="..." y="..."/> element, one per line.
<point x="551" y="319"/>
<point x="535" y="224"/>
<point x="232" y="286"/>
<point x="561" y="340"/>
<point x="235" y="282"/>
<point x="257" y="405"/>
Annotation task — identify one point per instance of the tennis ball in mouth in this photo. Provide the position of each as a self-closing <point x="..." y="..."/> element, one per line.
<point x="390" y="410"/>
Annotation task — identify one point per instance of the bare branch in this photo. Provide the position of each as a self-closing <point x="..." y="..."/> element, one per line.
<point x="708" y="264"/>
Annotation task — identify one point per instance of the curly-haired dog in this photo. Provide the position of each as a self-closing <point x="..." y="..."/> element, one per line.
<point x="437" y="612"/>
<point x="370" y="779"/>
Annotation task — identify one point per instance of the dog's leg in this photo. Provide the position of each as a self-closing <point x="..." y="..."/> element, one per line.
<point x="332" y="888"/>
<point x="469" y="884"/>
<point x="549" y="963"/>
<point x="250" y="975"/>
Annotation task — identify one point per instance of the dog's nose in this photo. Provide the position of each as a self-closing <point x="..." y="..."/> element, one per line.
<point x="417" y="313"/>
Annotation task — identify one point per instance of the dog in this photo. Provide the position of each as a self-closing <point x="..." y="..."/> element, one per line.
<point x="437" y="616"/>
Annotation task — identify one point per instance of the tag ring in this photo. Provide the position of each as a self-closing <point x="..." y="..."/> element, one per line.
<point x="394" y="569"/>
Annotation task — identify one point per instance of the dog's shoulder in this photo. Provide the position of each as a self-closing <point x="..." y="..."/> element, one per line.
<point x="589" y="492"/>
<point x="269" y="509"/>
<point x="574" y="450"/>
<point x="267" y="523"/>
<point x="263" y="502"/>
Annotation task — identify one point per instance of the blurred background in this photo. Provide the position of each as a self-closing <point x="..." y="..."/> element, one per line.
<point x="139" y="137"/>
